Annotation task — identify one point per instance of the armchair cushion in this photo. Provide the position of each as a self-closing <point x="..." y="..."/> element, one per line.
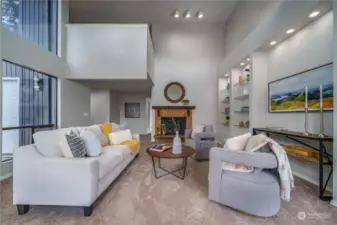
<point x="210" y="136"/>
<point x="197" y="129"/>
<point x="237" y="143"/>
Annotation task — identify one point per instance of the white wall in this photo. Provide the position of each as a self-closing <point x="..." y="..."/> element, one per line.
<point x="189" y="54"/>
<point x="114" y="107"/>
<point x="107" y="51"/>
<point x="100" y="106"/>
<point x="334" y="201"/>
<point x="244" y="19"/>
<point x="309" y="48"/>
<point x="74" y="104"/>
<point x="19" y="50"/>
<point x="150" y="56"/>
<point x="137" y="125"/>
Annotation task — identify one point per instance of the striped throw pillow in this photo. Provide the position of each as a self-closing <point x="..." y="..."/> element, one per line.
<point x="76" y="145"/>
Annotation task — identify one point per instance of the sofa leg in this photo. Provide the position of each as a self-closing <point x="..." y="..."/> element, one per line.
<point x="22" y="209"/>
<point x="88" y="210"/>
<point x="136" y="156"/>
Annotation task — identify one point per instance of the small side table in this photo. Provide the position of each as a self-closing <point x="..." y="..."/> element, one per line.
<point x="187" y="151"/>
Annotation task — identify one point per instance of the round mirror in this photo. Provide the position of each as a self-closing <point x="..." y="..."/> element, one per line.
<point x="174" y="92"/>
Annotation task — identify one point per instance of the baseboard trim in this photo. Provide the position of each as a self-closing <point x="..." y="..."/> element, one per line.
<point x="310" y="180"/>
<point x="6" y="176"/>
<point x="333" y="202"/>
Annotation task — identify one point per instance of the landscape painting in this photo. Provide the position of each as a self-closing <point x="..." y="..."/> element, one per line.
<point x="288" y="94"/>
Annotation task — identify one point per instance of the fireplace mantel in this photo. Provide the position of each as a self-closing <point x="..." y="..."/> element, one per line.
<point x="171" y="111"/>
<point x="174" y="107"/>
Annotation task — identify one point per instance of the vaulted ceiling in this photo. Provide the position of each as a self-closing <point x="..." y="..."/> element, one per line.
<point x="107" y="11"/>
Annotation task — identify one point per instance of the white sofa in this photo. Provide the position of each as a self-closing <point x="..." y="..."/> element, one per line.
<point x="43" y="176"/>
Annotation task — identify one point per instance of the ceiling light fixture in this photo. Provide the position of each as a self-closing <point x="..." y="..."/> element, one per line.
<point x="187" y="14"/>
<point x="248" y="59"/>
<point x="226" y="75"/>
<point x="176" y="14"/>
<point x="290" y="31"/>
<point x="273" y="43"/>
<point x="200" y="15"/>
<point x="314" y="14"/>
<point x="242" y="64"/>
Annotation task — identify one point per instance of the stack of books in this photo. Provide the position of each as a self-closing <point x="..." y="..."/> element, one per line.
<point x="160" y="147"/>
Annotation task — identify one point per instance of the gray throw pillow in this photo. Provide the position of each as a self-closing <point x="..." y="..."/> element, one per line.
<point x="76" y="145"/>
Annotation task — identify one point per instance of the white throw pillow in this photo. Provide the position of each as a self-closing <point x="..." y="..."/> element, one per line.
<point x="98" y="132"/>
<point x="63" y="145"/>
<point x="115" y="127"/>
<point x="197" y="129"/>
<point x="92" y="143"/>
<point x="237" y="143"/>
<point x="120" y="136"/>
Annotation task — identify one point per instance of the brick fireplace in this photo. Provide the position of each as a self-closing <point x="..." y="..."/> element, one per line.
<point x="164" y="128"/>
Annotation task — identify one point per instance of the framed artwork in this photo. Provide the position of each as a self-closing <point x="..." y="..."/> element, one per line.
<point x="288" y="94"/>
<point x="132" y="110"/>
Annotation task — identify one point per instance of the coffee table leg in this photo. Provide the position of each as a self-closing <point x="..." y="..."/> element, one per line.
<point x="154" y="168"/>
<point x="185" y="165"/>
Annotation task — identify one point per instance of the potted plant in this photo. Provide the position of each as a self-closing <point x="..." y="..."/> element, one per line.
<point x="185" y="101"/>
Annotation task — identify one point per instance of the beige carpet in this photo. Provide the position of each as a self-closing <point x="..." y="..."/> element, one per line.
<point x="138" y="198"/>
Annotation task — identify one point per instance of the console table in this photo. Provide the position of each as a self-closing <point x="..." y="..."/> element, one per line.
<point x="325" y="158"/>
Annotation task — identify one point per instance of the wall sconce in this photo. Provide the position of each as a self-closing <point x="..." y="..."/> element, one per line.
<point x="38" y="84"/>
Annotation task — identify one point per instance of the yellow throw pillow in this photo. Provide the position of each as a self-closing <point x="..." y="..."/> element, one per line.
<point x="106" y="128"/>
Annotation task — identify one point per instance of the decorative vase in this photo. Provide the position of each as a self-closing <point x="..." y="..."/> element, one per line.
<point x="176" y="148"/>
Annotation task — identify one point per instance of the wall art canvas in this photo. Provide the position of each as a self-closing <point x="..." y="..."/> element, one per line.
<point x="132" y="110"/>
<point x="288" y="94"/>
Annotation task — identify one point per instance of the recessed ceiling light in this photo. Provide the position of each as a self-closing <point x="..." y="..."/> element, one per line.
<point x="176" y="14"/>
<point x="314" y="14"/>
<point x="187" y="14"/>
<point x="290" y="31"/>
<point x="273" y="43"/>
<point x="200" y="15"/>
<point x="242" y="64"/>
<point x="248" y="59"/>
<point x="226" y="75"/>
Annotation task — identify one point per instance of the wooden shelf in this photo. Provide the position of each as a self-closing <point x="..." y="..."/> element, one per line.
<point x="237" y="111"/>
<point x="302" y="157"/>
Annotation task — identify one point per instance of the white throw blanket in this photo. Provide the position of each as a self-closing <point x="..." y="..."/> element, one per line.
<point x="284" y="169"/>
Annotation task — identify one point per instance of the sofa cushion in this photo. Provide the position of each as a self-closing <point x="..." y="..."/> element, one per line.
<point x="108" y="161"/>
<point x="256" y="142"/>
<point x="92" y="143"/>
<point x="120" y="136"/>
<point x="122" y="151"/>
<point x="46" y="142"/>
<point x="97" y="131"/>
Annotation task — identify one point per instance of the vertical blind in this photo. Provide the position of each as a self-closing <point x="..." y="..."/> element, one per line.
<point x="35" y="20"/>
<point x="37" y="103"/>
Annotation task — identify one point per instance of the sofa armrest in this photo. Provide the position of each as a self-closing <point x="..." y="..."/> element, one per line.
<point x="254" y="159"/>
<point x="136" y="136"/>
<point x="41" y="180"/>
<point x="205" y="136"/>
<point x="188" y="133"/>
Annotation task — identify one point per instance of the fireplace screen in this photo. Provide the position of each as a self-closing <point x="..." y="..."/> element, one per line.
<point x="181" y="122"/>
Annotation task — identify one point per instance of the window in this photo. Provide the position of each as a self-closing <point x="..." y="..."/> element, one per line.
<point x="29" y="99"/>
<point x="35" y="20"/>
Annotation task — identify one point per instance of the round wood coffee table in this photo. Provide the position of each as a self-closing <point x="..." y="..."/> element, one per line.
<point x="187" y="151"/>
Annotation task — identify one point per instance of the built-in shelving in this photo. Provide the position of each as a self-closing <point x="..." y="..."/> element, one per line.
<point x="242" y="97"/>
